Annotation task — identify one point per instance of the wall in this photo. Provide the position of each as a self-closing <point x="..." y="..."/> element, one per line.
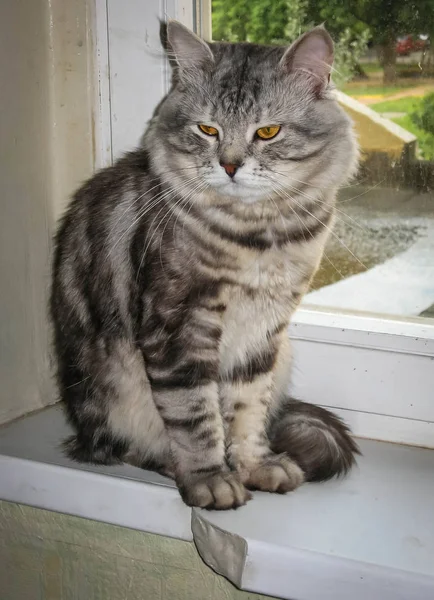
<point x="49" y="556"/>
<point x="377" y="134"/>
<point x="45" y="150"/>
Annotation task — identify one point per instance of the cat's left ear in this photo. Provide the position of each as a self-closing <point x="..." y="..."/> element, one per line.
<point x="186" y="51"/>
<point x="311" y="54"/>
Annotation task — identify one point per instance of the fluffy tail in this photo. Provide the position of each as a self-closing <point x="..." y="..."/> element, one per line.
<point x="315" y="438"/>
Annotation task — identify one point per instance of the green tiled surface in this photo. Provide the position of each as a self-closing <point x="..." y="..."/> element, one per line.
<point x="50" y="556"/>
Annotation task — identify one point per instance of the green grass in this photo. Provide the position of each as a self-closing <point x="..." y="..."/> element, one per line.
<point x="356" y="89"/>
<point x="409" y="105"/>
<point x="425" y="140"/>
<point x="408" y="124"/>
<point x="404" y="105"/>
<point x="371" y="67"/>
<point x="375" y="67"/>
<point x="402" y="69"/>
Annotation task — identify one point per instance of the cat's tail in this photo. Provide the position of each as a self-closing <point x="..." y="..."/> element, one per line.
<point x="315" y="438"/>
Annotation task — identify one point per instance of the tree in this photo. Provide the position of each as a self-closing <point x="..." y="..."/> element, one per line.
<point x="281" y="22"/>
<point x="350" y="22"/>
<point x="258" y="21"/>
<point x="385" y="19"/>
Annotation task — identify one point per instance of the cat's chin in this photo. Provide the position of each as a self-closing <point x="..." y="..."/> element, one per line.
<point x="243" y="193"/>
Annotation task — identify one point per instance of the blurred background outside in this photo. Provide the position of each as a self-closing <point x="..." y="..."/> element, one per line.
<point x="380" y="257"/>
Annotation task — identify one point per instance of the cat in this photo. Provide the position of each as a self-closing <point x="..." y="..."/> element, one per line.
<point x="177" y="270"/>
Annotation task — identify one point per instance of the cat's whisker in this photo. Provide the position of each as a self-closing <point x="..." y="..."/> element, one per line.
<point x="153" y="202"/>
<point x="148" y="243"/>
<point x="313" y="239"/>
<point x="130" y="205"/>
<point x="198" y="190"/>
<point x="183" y="201"/>
<point x="322" y="202"/>
<point x="171" y="172"/>
<point x="171" y="192"/>
<point x="188" y="202"/>
<point x="191" y="205"/>
<point x="322" y="187"/>
<point x="279" y="211"/>
<point x="363" y="193"/>
<point x="364" y="229"/>
<point x="333" y="265"/>
<point x="290" y="197"/>
<point x="166" y="217"/>
<point x="329" y="230"/>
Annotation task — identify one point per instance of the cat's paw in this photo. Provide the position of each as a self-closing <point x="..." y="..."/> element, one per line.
<point x="277" y="473"/>
<point x="218" y="491"/>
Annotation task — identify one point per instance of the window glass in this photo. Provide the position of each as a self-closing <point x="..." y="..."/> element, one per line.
<point x="380" y="256"/>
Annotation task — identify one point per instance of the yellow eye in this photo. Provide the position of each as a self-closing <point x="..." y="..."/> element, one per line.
<point x="208" y="129"/>
<point x="266" y="133"/>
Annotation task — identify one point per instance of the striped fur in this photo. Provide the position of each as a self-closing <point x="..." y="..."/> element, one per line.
<point x="173" y="284"/>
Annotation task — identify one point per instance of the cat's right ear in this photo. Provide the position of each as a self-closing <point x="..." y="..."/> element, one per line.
<point x="186" y="52"/>
<point x="312" y="56"/>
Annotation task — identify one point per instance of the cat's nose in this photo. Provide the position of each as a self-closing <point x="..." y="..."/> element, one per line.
<point x="230" y="168"/>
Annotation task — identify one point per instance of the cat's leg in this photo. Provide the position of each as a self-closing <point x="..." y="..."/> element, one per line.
<point x="109" y="403"/>
<point x="247" y="396"/>
<point x="182" y="368"/>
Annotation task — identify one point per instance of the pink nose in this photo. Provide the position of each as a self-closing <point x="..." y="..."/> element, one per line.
<point x="230" y="169"/>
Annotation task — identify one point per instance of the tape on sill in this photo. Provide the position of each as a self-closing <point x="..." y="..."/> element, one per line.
<point x="224" y="552"/>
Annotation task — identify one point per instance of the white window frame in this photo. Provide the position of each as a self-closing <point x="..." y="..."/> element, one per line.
<point x="377" y="372"/>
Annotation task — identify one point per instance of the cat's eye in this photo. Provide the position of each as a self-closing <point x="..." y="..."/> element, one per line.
<point x="208" y="129"/>
<point x="267" y="133"/>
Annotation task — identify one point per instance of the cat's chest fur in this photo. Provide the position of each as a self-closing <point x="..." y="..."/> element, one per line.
<point x="260" y="302"/>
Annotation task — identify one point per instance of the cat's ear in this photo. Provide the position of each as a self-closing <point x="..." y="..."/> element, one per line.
<point x="311" y="54"/>
<point x="185" y="50"/>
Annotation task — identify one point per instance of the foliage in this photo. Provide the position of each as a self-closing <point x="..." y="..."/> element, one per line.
<point x="424" y="116"/>
<point x="386" y="19"/>
<point x="348" y="51"/>
<point x="259" y="21"/>
<point x="425" y="140"/>
<point x="281" y="22"/>
<point x="421" y="123"/>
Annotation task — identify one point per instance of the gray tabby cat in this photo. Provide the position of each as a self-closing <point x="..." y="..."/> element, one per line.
<point x="177" y="271"/>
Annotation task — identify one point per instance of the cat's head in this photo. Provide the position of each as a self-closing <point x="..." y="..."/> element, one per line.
<point x="249" y="122"/>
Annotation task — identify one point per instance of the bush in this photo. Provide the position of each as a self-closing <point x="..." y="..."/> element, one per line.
<point x="423" y="118"/>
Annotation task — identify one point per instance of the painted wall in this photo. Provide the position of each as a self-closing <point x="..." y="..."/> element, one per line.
<point x="56" y="127"/>
<point x="49" y="556"/>
<point x="45" y="150"/>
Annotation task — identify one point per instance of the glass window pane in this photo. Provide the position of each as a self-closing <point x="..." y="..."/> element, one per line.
<point x="380" y="255"/>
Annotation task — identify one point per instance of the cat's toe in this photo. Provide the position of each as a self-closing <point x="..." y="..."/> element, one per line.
<point x="218" y="491"/>
<point x="277" y="474"/>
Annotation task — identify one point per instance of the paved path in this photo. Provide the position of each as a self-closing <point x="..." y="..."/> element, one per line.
<point x="416" y="92"/>
<point x="403" y="285"/>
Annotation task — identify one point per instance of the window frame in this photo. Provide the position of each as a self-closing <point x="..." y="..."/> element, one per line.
<point x="351" y="338"/>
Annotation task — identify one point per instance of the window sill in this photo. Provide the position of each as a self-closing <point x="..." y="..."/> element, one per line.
<point x="368" y="536"/>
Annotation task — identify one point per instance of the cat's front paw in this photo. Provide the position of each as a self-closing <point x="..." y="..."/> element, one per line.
<point x="277" y="473"/>
<point x="218" y="491"/>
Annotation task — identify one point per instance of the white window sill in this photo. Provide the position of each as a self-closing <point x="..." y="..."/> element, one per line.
<point x="368" y="536"/>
